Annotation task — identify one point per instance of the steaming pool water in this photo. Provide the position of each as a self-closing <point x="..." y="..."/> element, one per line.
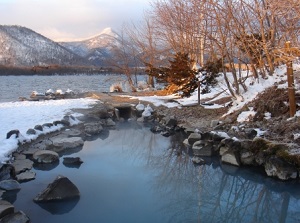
<point x="132" y="175"/>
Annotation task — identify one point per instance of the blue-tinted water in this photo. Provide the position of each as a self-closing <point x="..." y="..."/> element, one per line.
<point x="133" y="175"/>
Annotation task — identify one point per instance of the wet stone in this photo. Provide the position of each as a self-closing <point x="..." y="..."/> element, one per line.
<point x="9" y="185"/>
<point x="45" y="156"/>
<point x="6" y="208"/>
<point x="60" y="189"/>
<point x="22" y="165"/>
<point x="17" y="217"/>
<point x="26" y="176"/>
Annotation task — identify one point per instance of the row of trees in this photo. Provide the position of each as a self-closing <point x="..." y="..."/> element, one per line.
<point x="231" y="31"/>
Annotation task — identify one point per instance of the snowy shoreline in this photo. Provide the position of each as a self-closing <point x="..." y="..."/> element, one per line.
<point x="27" y="114"/>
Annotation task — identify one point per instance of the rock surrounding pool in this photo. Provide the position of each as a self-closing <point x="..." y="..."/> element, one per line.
<point x="133" y="175"/>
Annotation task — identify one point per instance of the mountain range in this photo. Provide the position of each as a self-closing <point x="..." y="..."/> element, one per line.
<point x="23" y="47"/>
<point x="96" y="49"/>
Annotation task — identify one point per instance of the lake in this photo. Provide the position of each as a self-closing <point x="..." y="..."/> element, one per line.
<point x="13" y="87"/>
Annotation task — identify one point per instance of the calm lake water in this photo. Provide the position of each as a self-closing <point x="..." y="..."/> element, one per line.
<point x="132" y="175"/>
<point x="13" y="87"/>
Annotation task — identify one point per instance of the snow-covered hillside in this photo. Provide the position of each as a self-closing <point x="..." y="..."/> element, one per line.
<point x="20" y="46"/>
<point x="95" y="49"/>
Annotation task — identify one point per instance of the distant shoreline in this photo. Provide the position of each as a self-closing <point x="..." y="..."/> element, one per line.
<point x="56" y="70"/>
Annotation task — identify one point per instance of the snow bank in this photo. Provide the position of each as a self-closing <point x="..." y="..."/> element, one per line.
<point x="27" y="114"/>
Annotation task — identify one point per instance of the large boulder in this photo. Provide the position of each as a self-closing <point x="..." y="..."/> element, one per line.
<point x="6" y="208"/>
<point x="61" y="143"/>
<point x="9" y="185"/>
<point x="60" y="189"/>
<point x="93" y="128"/>
<point x="231" y="157"/>
<point x="275" y="167"/>
<point x="45" y="156"/>
<point x="230" y="151"/>
<point x="22" y="165"/>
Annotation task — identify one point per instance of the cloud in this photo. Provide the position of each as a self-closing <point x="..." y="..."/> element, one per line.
<point x="57" y="35"/>
<point x="65" y="19"/>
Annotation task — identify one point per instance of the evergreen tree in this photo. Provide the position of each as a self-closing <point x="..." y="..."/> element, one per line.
<point x="179" y="76"/>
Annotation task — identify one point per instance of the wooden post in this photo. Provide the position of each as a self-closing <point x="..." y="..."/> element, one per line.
<point x="291" y="84"/>
<point x="199" y="92"/>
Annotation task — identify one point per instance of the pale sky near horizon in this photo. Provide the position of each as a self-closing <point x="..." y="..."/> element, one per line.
<point x="71" y="19"/>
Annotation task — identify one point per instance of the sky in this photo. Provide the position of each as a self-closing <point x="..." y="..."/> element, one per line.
<point x="62" y="20"/>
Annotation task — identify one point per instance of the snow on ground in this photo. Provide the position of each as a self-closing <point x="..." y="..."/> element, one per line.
<point x="220" y="91"/>
<point x="28" y="114"/>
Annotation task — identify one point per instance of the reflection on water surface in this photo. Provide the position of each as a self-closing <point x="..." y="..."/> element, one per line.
<point x="133" y="175"/>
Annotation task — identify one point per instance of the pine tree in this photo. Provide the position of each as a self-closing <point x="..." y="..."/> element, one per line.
<point x="180" y="70"/>
<point x="181" y="74"/>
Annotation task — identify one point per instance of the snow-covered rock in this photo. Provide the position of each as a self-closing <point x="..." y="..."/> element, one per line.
<point x="140" y="107"/>
<point x="147" y="112"/>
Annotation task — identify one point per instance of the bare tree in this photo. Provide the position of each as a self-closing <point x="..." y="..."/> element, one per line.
<point x="151" y="49"/>
<point x="245" y="31"/>
<point x="124" y="58"/>
<point x="181" y="24"/>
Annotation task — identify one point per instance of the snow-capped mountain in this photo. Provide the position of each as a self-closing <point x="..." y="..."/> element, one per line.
<point x="20" y="46"/>
<point x="95" y="49"/>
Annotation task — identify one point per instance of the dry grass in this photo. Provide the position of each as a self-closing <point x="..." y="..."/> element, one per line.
<point x="272" y="100"/>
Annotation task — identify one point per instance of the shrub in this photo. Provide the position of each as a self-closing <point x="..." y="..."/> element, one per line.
<point x="210" y="72"/>
<point x="179" y="76"/>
